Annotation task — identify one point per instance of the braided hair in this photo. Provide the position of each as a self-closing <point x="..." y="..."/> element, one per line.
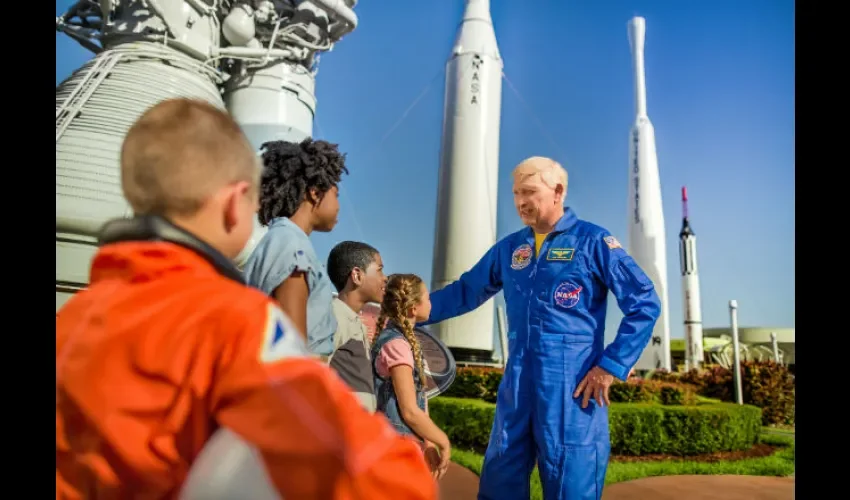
<point x="402" y="293"/>
<point x="291" y="170"/>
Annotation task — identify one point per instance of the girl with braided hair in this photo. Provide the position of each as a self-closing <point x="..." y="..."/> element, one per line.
<point x="399" y="368"/>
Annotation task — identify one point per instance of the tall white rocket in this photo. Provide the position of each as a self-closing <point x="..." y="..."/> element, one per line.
<point x="468" y="177"/>
<point x="690" y="289"/>
<point x="646" y="218"/>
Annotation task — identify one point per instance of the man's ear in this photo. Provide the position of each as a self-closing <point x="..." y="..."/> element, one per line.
<point x="559" y="193"/>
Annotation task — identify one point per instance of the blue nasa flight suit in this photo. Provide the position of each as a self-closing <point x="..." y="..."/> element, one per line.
<point x="556" y="305"/>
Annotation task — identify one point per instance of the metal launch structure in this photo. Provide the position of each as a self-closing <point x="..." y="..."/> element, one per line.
<point x="255" y="58"/>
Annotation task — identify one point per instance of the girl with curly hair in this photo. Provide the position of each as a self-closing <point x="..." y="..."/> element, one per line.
<point x="298" y="195"/>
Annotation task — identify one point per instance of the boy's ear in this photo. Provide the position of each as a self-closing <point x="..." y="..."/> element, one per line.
<point x="356" y="276"/>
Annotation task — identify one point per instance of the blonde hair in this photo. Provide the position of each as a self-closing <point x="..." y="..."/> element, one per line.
<point x="179" y="152"/>
<point x="550" y="171"/>
<point x="403" y="292"/>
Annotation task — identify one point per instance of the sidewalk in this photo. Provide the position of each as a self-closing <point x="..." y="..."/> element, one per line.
<point x="703" y="488"/>
<point x="459" y="483"/>
<point x="462" y="484"/>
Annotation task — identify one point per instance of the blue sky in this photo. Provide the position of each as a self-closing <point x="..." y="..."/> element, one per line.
<point x="720" y="92"/>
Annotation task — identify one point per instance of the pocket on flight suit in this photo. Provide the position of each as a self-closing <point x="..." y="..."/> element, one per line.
<point x="563" y="360"/>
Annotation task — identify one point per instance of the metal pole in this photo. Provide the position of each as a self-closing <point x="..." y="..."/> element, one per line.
<point x="775" y="346"/>
<point x="736" y="353"/>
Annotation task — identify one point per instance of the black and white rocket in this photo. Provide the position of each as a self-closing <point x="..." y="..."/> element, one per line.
<point x="690" y="289"/>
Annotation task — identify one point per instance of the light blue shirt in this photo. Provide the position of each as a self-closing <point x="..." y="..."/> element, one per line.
<point x="286" y="249"/>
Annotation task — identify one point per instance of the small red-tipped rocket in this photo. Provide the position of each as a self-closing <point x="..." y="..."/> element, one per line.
<point x="690" y="289"/>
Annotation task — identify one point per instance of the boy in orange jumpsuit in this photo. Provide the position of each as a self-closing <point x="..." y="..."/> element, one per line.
<point x="167" y="344"/>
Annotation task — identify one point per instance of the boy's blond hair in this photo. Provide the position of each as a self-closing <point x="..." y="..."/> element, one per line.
<point x="550" y="171"/>
<point x="178" y="153"/>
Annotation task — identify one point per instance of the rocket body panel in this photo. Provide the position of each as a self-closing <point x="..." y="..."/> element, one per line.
<point x="694" y="354"/>
<point x="468" y="175"/>
<point x="276" y="102"/>
<point x="647" y="235"/>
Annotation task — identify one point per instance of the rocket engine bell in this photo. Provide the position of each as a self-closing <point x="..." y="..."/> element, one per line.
<point x="647" y="237"/>
<point x="263" y="54"/>
<point x="468" y="175"/>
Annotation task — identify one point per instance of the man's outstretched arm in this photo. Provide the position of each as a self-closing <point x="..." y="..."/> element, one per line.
<point x="472" y="289"/>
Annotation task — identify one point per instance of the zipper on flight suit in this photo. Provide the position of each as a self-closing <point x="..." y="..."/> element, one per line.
<point x="534" y="271"/>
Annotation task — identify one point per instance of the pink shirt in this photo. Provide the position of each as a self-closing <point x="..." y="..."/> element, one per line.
<point x="395" y="352"/>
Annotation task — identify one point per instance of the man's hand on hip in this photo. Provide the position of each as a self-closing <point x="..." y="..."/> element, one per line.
<point x="595" y="384"/>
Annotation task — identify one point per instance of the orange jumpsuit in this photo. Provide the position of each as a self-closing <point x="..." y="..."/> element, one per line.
<point x="160" y="350"/>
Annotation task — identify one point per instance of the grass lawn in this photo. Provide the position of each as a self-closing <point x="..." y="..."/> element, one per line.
<point x="780" y="463"/>
<point x="787" y="430"/>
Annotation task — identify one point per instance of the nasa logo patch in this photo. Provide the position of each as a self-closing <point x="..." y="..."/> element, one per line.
<point x="280" y="338"/>
<point x="612" y="242"/>
<point x="567" y="295"/>
<point x="521" y="257"/>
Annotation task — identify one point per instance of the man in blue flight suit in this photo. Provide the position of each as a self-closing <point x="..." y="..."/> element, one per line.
<point x="552" y="402"/>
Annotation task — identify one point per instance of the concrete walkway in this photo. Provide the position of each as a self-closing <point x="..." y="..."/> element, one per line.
<point x="703" y="488"/>
<point x="460" y="483"/>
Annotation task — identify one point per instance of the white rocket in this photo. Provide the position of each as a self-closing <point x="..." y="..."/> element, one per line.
<point x="468" y="176"/>
<point x="646" y="218"/>
<point x="690" y="289"/>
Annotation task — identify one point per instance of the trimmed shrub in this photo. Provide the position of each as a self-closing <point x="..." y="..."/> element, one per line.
<point x="483" y="383"/>
<point x="640" y="429"/>
<point x="765" y="384"/>
<point x="771" y="387"/>
<point x="652" y="391"/>
<point x="633" y="391"/>
<point x="662" y="375"/>
<point x="467" y="422"/>
<point x="476" y="383"/>
<point x="636" y="429"/>
<point x="673" y="394"/>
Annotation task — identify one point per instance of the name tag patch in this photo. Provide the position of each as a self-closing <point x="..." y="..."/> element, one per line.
<point x="560" y="254"/>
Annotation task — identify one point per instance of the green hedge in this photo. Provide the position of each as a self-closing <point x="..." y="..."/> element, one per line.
<point x="636" y="428"/>
<point x="651" y="391"/>
<point x="483" y="383"/>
